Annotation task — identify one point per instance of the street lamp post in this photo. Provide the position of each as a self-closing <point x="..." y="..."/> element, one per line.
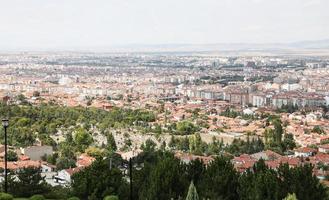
<point x="131" y="179"/>
<point x="5" y="124"/>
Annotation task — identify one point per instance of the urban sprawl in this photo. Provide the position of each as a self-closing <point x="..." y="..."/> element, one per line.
<point x="196" y="105"/>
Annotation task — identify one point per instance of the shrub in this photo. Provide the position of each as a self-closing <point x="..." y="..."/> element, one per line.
<point x="5" y="196"/>
<point x="73" y="198"/>
<point x="37" y="197"/>
<point x="111" y="197"/>
<point x="58" y="192"/>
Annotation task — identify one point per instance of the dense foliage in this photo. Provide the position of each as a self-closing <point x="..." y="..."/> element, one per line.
<point x="5" y="196"/>
<point x="160" y="175"/>
<point x="167" y="177"/>
<point x="27" y="182"/>
<point x="276" y="139"/>
<point x="28" y="122"/>
<point x="186" y="127"/>
<point x="99" y="180"/>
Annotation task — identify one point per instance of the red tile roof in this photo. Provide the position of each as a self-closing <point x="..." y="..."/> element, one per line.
<point x="72" y="171"/>
<point x="21" y="164"/>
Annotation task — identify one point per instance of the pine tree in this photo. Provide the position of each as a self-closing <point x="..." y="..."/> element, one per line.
<point x="111" y="142"/>
<point x="291" y="197"/>
<point x="278" y="131"/>
<point x="28" y="182"/>
<point x="192" y="193"/>
<point x="220" y="180"/>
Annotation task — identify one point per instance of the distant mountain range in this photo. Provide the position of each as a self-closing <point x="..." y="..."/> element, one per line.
<point x="321" y="47"/>
<point x="306" y="45"/>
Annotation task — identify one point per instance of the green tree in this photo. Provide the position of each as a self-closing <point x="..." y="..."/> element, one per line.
<point x="99" y="180"/>
<point x="183" y="144"/>
<point x="278" y="131"/>
<point x="37" y="197"/>
<point x="172" y="143"/>
<point x="111" y="197"/>
<point x="65" y="163"/>
<point x="220" y="180"/>
<point x="36" y="94"/>
<point x="192" y="194"/>
<point x="301" y="181"/>
<point x="12" y="156"/>
<point x="186" y="128"/>
<point x="148" y="146"/>
<point x="291" y="197"/>
<point x="288" y="142"/>
<point x="21" y="97"/>
<point x="195" y="170"/>
<point x="73" y="198"/>
<point x="197" y="146"/>
<point x="216" y="146"/>
<point x="318" y="129"/>
<point x="111" y="144"/>
<point x="259" y="183"/>
<point x="83" y="139"/>
<point x="29" y="182"/>
<point x="94" y="152"/>
<point x="164" y="180"/>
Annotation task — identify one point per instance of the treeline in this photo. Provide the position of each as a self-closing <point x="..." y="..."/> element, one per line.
<point x="159" y="175"/>
<point x="195" y="145"/>
<point x="275" y="139"/>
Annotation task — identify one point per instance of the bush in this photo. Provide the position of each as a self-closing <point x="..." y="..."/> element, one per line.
<point x="58" y="192"/>
<point x="5" y="196"/>
<point x="37" y="197"/>
<point x="111" y="197"/>
<point x="73" y="198"/>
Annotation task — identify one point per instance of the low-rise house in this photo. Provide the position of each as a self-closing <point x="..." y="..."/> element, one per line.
<point x="64" y="176"/>
<point x="319" y="158"/>
<point x="305" y="152"/>
<point x="323" y="139"/>
<point x="243" y="162"/>
<point x="266" y="155"/>
<point x="291" y="161"/>
<point x="17" y="165"/>
<point x="84" y="160"/>
<point x="324" y="148"/>
<point x="46" y="167"/>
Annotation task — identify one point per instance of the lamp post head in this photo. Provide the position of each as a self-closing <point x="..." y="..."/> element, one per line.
<point x="5" y="122"/>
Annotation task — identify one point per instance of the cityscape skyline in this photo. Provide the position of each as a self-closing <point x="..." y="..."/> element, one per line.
<point x="158" y="100"/>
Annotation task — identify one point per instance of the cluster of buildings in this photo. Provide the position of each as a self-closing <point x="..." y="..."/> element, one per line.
<point x="260" y="81"/>
<point x="319" y="158"/>
<point x="33" y="156"/>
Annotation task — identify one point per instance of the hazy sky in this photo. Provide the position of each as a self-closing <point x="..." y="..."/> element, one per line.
<point x="83" y="23"/>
